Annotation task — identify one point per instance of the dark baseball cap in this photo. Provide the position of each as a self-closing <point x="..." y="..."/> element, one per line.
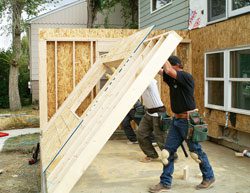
<point x="174" y="60"/>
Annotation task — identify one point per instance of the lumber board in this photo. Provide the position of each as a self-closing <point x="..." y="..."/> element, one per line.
<point x="97" y="111"/>
<point x="43" y="83"/>
<point x="111" y="113"/>
<point x="83" y="89"/>
<point x="87" y="84"/>
<point x="122" y="49"/>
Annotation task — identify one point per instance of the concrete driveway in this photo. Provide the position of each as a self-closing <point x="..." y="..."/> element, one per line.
<point x="116" y="169"/>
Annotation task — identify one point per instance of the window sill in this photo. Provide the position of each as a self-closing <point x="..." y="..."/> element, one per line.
<point x="152" y="12"/>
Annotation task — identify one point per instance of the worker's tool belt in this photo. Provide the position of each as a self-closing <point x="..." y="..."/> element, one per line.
<point x="165" y="121"/>
<point x="197" y="127"/>
<point x="139" y="112"/>
<point x="156" y="110"/>
<point x="181" y="115"/>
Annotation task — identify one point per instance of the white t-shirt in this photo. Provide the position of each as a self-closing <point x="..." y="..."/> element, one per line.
<point x="151" y="97"/>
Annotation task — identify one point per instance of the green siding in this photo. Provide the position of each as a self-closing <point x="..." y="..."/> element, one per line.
<point x="173" y="16"/>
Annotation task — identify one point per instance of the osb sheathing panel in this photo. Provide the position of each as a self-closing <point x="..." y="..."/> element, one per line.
<point x="83" y="64"/>
<point x="64" y="70"/>
<point x="231" y="33"/>
<point x="51" y="78"/>
<point x="84" y="33"/>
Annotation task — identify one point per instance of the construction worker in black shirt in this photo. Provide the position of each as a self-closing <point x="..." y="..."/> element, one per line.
<point x="181" y="85"/>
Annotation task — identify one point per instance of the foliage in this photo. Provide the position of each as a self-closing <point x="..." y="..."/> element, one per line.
<point x="22" y="143"/>
<point x="4" y="78"/>
<point x="24" y="76"/>
<point x="5" y="59"/>
<point x="14" y="11"/>
<point x="129" y="11"/>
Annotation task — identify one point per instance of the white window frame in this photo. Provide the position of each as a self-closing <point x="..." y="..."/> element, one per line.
<point x="229" y="12"/>
<point x="227" y="82"/>
<point x="232" y="12"/>
<point x="207" y="79"/>
<point x="151" y="6"/>
<point x="220" y="19"/>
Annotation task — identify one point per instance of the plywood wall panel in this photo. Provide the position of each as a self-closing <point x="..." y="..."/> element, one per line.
<point x="83" y="64"/>
<point x="51" y="79"/>
<point x="232" y="33"/>
<point x="64" y="70"/>
<point x="85" y="33"/>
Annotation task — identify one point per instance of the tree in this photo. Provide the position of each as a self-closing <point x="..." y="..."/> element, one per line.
<point x="93" y="6"/>
<point x="14" y="9"/>
<point x="129" y="11"/>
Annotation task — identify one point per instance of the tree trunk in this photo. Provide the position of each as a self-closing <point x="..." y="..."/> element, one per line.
<point x="92" y="10"/>
<point x="14" y="97"/>
<point x="89" y="9"/>
<point x="134" y="12"/>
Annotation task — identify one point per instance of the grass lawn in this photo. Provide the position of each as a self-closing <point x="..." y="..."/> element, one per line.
<point x="22" y="143"/>
<point x="17" y="175"/>
<point x="25" y="110"/>
<point x="24" y="118"/>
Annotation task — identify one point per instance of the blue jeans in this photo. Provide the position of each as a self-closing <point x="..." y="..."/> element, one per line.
<point x="176" y="135"/>
<point x="126" y="125"/>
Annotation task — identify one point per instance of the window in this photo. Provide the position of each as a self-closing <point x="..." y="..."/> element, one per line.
<point x="237" y="7"/>
<point x="240" y="78"/>
<point x="215" y="79"/>
<point x="158" y="4"/>
<point x="216" y="9"/>
<point x="227" y="80"/>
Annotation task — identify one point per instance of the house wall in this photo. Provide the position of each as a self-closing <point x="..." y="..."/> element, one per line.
<point x="173" y="16"/>
<point x="70" y="16"/>
<point x="234" y="32"/>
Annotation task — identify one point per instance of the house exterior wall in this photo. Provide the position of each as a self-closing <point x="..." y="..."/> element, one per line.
<point x="71" y="16"/>
<point x="232" y="33"/>
<point x="173" y="16"/>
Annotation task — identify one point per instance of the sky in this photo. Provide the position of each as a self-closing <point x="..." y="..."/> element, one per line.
<point x="5" y="39"/>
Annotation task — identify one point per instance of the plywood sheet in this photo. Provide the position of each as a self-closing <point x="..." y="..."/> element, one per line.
<point x="51" y="79"/>
<point x="231" y="33"/>
<point x="64" y="70"/>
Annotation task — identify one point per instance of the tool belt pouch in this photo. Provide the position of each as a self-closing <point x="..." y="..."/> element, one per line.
<point x="139" y="112"/>
<point x="199" y="133"/>
<point x="165" y="121"/>
<point x="197" y="128"/>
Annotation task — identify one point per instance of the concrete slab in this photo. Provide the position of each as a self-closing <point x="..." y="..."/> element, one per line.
<point x="116" y="169"/>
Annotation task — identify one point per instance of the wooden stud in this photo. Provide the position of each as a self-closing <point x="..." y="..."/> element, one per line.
<point x="186" y="172"/>
<point x="98" y="138"/>
<point x="43" y="83"/>
<point x="91" y="64"/>
<point x="74" y="64"/>
<point x="95" y="108"/>
<point x="56" y="76"/>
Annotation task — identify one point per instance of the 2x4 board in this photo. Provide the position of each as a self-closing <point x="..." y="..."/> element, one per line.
<point x="70" y="143"/>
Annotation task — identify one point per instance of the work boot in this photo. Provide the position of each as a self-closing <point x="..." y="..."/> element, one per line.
<point x="205" y="184"/>
<point x="159" y="188"/>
